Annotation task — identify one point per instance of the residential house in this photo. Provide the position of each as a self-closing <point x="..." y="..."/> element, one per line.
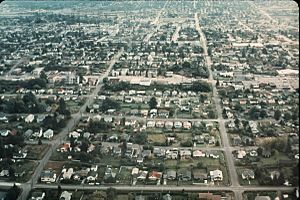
<point x="92" y="176"/>
<point x="29" y="118"/>
<point x="146" y="153"/>
<point x="40" y="118"/>
<point x="168" y="125"/>
<point x="248" y="174"/>
<point x="65" y="195"/>
<point x="177" y="125"/>
<point x="200" y="175"/>
<point x="4" y="172"/>
<point x="171" y="174"/>
<point x="94" y="168"/>
<point x="266" y="153"/>
<point x="209" y="196"/>
<point x="160" y="124"/>
<point x="142" y="175"/>
<point x="237" y="141"/>
<point x="262" y="198"/>
<point x="187" y="125"/>
<point x="158" y="152"/>
<point x="198" y="154"/>
<point x="185" y="154"/>
<point x="65" y="147"/>
<point x="67" y="174"/>
<point x="150" y="124"/>
<point x="135" y="171"/>
<point x="253" y="153"/>
<point x="74" y="134"/>
<point x="241" y="154"/>
<point x="216" y="175"/>
<point x="4" y="133"/>
<point x="171" y="154"/>
<point x="37" y="195"/>
<point x="154" y="176"/>
<point x="184" y="174"/>
<point x="48" y="134"/>
<point x="48" y="176"/>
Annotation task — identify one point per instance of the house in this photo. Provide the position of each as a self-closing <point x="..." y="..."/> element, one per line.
<point x="214" y="154"/>
<point x="216" y="175"/>
<point x="185" y="154"/>
<point x="48" y="176"/>
<point x="92" y="176"/>
<point x="65" y="147"/>
<point x="142" y="175"/>
<point x="67" y="174"/>
<point x="4" y="172"/>
<point x="185" y="175"/>
<point x="167" y="197"/>
<point x="65" y="195"/>
<point x="248" y="174"/>
<point x="4" y="133"/>
<point x="74" y="134"/>
<point x="187" y="125"/>
<point x="91" y="148"/>
<point x="253" y="153"/>
<point x="237" y="141"/>
<point x="241" y="154"/>
<point x="266" y="153"/>
<point x="158" y="152"/>
<point x="171" y="174"/>
<point x="3" y="118"/>
<point x="150" y="124"/>
<point x="160" y="124"/>
<point x="177" y="125"/>
<point x="198" y="154"/>
<point x="262" y="198"/>
<point x="135" y="171"/>
<point x="40" y="118"/>
<point x="208" y="196"/>
<point x="86" y="135"/>
<point x="94" y="168"/>
<point x="168" y="125"/>
<point x="274" y="174"/>
<point x="163" y="113"/>
<point x="154" y="176"/>
<point x="37" y="195"/>
<point x="29" y="118"/>
<point x="146" y="153"/>
<point x="200" y="175"/>
<point x="48" y="134"/>
<point x="172" y="154"/>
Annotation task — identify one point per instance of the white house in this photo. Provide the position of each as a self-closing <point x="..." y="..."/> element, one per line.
<point x="65" y="195"/>
<point x="48" y="134"/>
<point x="29" y="118"/>
<point x="216" y="175"/>
<point x="75" y="134"/>
<point x="68" y="173"/>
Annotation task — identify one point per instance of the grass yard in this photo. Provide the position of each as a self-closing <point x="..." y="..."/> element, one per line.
<point x="156" y="138"/>
<point x="186" y="163"/>
<point x="36" y="152"/>
<point x="124" y="175"/>
<point x="56" y="166"/>
<point x="170" y="164"/>
<point x="28" y="167"/>
<point x="245" y="182"/>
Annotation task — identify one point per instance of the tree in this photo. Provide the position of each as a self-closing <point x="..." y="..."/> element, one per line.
<point x="152" y="103"/>
<point x="13" y="193"/>
<point x="109" y="104"/>
<point x="40" y="142"/>
<point x="84" y="145"/>
<point x="111" y="193"/>
<point x="98" y="195"/>
<point x="62" y="109"/>
<point x="277" y="115"/>
<point x="287" y="116"/>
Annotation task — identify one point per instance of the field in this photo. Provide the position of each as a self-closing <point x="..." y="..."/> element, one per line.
<point x="36" y="152"/>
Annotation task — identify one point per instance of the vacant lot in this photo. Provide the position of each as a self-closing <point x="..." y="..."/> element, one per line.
<point x="157" y="138"/>
<point x="36" y="152"/>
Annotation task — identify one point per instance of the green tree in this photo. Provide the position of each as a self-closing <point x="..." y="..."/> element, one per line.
<point x="13" y="193"/>
<point x="152" y="103"/>
<point x="277" y="114"/>
<point x="111" y="193"/>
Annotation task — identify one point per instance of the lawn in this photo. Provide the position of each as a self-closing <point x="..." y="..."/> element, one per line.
<point x="170" y="164"/>
<point x="56" y="166"/>
<point x="124" y="175"/>
<point x="36" y="152"/>
<point x="28" y="167"/>
<point x="157" y="138"/>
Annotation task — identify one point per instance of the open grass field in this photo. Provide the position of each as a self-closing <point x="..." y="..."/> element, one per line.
<point x="36" y="152"/>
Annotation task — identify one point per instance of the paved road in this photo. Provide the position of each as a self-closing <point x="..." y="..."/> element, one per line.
<point x="225" y="140"/>
<point x="71" y="123"/>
